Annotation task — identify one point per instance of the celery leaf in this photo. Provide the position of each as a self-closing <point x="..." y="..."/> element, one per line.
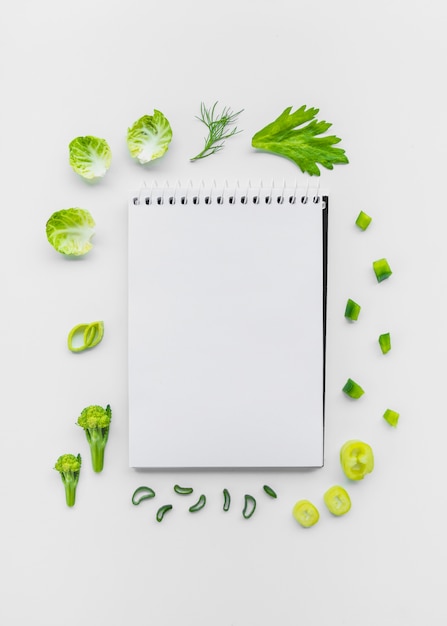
<point x="288" y="136"/>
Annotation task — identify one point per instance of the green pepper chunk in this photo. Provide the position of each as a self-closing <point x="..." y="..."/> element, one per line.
<point x="352" y="310"/>
<point x="385" y="342"/>
<point x="363" y="220"/>
<point x="142" y="493"/>
<point x="249" y="506"/>
<point x="392" y="417"/>
<point x="357" y="459"/>
<point x="305" y="513"/>
<point x="269" y="491"/>
<point x="198" y="505"/>
<point x="352" y="389"/>
<point x="337" y="500"/>
<point x="183" y="491"/>
<point x="162" y="511"/>
<point x="382" y="270"/>
<point x="227" y="500"/>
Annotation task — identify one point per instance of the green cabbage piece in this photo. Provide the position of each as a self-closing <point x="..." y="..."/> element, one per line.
<point x="69" y="231"/>
<point x="149" y="137"/>
<point x="90" y="157"/>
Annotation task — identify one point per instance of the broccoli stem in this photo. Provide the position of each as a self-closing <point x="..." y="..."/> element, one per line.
<point x="70" y="491"/>
<point x="97" y="440"/>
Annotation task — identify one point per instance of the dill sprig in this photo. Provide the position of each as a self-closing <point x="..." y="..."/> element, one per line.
<point x="218" y="128"/>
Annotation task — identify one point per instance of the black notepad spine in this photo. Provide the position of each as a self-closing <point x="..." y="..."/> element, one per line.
<point x="233" y="195"/>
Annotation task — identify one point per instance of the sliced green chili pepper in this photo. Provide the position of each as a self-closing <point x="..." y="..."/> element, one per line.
<point x="183" y="491"/>
<point x="382" y="270"/>
<point x="198" y="505"/>
<point x="269" y="491"/>
<point x="142" y="493"/>
<point x="162" y="511"/>
<point x="90" y="334"/>
<point x="385" y="342"/>
<point x="363" y="220"/>
<point x="249" y="506"/>
<point x="352" y="310"/>
<point x="337" y="500"/>
<point x="353" y="389"/>
<point x="305" y="513"/>
<point x="392" y="417"/>
<point x="227" y="500"/>
<point x="357" y="459"/>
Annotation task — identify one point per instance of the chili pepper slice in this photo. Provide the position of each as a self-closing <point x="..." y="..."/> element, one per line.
<point x="249" y="506"/>
<point x="385" y="342"/>
<point x="91" y="335"/>
<point x="392" y="417"/>
<point x="352" y="310"/>
<point x="162" y="511"/>
<point x="337" y="500"/>
<point x="363" y="220"/>
<point x="269" y="491"/>
<point x="382" y="269"/>
<point x="357" y="459"/>
<point x="198" y="505"/>
<point x="183" y="491"/>
<point x="353" y="389"/>
<point x="227" y="500"/>
<point x="142" y="493"/>
<point x="305" y="513"/>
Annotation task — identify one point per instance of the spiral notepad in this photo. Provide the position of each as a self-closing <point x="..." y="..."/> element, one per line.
<point x="226" y="314"/>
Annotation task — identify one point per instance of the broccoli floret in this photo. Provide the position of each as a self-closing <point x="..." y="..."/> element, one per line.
<point x="69" y="467"/>
<point x="95" y="420"/>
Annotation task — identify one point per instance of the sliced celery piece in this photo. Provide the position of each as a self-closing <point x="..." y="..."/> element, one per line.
<point x="382" y="269"/>
<point x="392" y="417"/>
<point x="352" y="310"/>
<point x="353" y="389"/>
<point x="337" y="500"/>
<point x="305" y="513"/>
<point x="357" y="459"/>
<point x="385" y="342"/>
<point x="363" y="220"/>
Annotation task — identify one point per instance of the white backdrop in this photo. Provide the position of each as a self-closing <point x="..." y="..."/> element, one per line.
<point x="376" y="72"/>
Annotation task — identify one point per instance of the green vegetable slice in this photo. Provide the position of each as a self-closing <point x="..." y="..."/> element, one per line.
<point x="337" y="500"/>
<point x="89" y="334"/>
<point x="70" y="231"/>
<point x="198" y="505"/>
<point x="352" y="310"/>
<point x="385" y="342"/>
<point x="352" y="389"/>
<point x="288" y="137"/>
<point x="363" y="220"/>
<point x="381" y="269"/>
<point x="162" y="512"/>
<point x="249" y="506"/>
<point x="90" y="157"/>
<point x="392" y="417"/>
<point x="183" y="491"/>
<point x="305" y="513"/>
<point x="227" y="500"/>
<point x="269" y="491"/>
<point x="142" y="493"/>
<point x="357" y="459"/>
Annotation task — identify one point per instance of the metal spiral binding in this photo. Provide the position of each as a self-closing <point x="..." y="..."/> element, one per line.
<point x="234" y="195"/>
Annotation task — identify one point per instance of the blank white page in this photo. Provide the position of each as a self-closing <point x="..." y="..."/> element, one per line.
<point x="226" y="347"/>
